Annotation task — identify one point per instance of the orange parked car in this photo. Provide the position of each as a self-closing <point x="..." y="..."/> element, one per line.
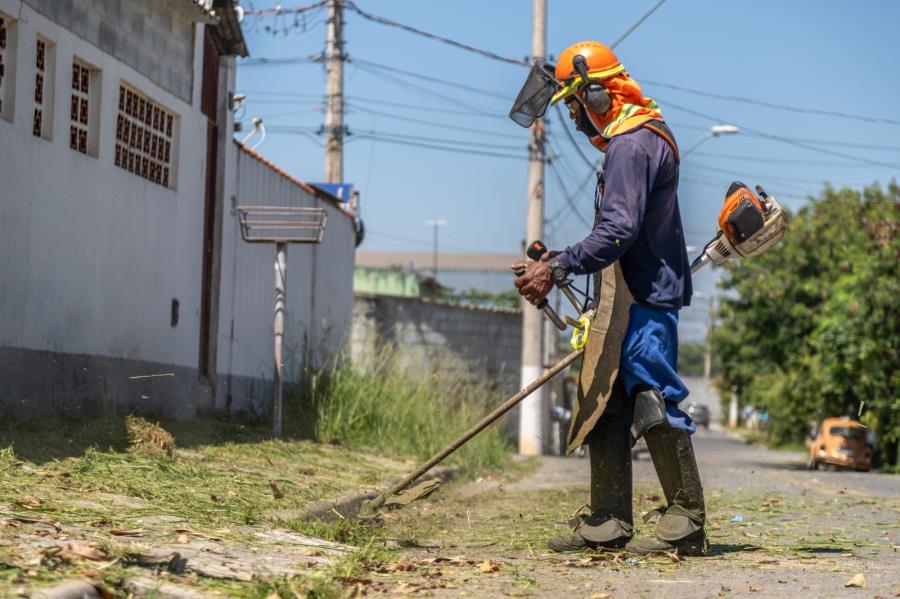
<point x="840" y="443"/>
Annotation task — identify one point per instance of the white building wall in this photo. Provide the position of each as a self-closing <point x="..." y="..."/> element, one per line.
<point x="91" y="257"/>
<point x="93" y="254"/>
<point x="319" y="291"/>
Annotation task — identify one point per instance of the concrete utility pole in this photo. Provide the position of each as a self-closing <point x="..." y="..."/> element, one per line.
<point x="531" y="413"/>
<point x="334" y="108"/>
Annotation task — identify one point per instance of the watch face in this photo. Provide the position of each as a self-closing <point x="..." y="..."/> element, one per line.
<point x="558" y="271"/>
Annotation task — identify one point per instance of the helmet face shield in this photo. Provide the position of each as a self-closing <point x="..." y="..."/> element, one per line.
<point x="535" y="95"/>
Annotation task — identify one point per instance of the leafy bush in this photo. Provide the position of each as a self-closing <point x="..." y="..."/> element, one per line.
<point x="811" y="329"/>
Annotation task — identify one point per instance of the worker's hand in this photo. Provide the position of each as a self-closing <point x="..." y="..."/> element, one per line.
<point x="536" y="282"/>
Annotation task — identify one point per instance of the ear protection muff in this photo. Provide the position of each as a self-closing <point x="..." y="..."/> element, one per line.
<point x="596" y="98"/>
<point x="594" y="95"/>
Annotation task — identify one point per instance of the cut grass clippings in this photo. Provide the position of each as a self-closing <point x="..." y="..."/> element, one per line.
<point x="135" y="486"/>
<point x="117" y="486"/>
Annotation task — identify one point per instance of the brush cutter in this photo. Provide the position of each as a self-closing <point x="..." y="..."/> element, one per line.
<point x="747" y="226"/>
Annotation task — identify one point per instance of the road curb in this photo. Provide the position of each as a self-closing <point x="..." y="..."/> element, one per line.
<point x="332" y="511"/>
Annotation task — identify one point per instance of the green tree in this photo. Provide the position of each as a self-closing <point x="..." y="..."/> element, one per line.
<point x="811" y="328"/>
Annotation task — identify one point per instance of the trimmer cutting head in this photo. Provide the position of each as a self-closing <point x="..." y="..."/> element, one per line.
<point x="748" y="226"/>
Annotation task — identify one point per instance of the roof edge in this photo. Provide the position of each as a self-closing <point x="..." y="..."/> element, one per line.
<point x="228" y="26"/>
<point x="314" y="191"/>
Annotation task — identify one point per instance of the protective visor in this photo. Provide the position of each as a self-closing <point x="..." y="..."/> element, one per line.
<point x="535" y="95"/>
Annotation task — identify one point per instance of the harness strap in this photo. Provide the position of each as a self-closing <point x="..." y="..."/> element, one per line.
<point x="662" y="129"/>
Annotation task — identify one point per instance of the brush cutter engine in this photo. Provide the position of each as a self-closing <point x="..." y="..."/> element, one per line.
<point x="748" y="226"/>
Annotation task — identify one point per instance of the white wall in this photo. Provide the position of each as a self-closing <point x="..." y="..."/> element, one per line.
<point x="92" y="254"/>
<point x="319" y="285"/>
<point x="91" y="257"/>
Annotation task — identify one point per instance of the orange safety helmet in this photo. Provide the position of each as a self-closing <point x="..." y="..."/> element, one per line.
<point x="597" y="59"/>
<point x="601" y="61"/>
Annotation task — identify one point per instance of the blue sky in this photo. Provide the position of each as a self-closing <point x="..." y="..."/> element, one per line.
<point x="826" y="55"/>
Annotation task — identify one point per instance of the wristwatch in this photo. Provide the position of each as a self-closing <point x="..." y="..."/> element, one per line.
<point x="558" y="272"/>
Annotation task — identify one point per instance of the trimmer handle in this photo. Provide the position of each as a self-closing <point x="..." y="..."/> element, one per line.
<point x="558" y="322"/>
<point x="536" y="249"/>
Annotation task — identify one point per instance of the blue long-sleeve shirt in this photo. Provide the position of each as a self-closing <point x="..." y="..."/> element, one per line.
<point x="640" y="223"/>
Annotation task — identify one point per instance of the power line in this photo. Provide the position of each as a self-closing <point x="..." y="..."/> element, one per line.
<point x="277" y="62"/>
<point x="743" y="158"/>
<point x="433" y="36"/>
<point x="404" y="136"/>
<point x="374" y="65"/>
<point x="568" y="196"/>
<point x="356" y="99"/>
<point x="718" y="186"/>
<point x="457" y="150"/>
<point x="562" y="212"/>
<point x="426" y="91"/>
<point x="636" y="24"/>
<point x="426" y="122"/>
<point x="252" y="92"/>
<point x="446" y="145"/>
<point x="725" y="171"/>
<point x="431" y="109"/>
<point x="786" y="107"/>
<point x="461" y="142"/>
<point x="305" y="18"/>
<point x="741" y="174"/>
<point x="787" y="140"/>
<point x="280" y="10"/>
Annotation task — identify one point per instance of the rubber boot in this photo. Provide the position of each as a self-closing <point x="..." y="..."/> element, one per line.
<point x="610" y="524"/>
<point x="680" y="528"/>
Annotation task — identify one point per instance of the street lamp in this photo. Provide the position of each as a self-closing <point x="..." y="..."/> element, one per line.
<point x="435" y="223"/>
<point x="714" y="131"/>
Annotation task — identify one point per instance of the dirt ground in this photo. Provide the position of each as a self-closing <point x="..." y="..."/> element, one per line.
<point x="226" y="519"/>
<point x="775" y="530"/>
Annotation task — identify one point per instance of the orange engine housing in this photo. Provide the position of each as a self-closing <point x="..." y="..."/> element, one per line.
<point x="738" y="200"/>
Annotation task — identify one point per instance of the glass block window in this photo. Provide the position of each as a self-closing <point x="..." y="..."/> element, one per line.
<point x="145" y="133"/>
<point x="42" y="120"/>
<point x="79" y="127"/>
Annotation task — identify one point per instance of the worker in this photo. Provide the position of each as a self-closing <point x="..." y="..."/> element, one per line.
<point x="638" y="227"/>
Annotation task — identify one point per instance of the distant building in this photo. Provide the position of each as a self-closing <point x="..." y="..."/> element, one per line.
<point x="394" y="271"/>
<point x="124" y="282"/>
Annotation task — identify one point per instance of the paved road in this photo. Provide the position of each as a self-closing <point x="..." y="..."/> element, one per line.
<point x="726" y="462"/>
<point x="775" y="530"/>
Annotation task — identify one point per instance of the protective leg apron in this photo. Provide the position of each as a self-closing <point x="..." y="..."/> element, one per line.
<point x="600" y="419"/>
<point x="609" y="439"/>
<point x="609" y="523"/>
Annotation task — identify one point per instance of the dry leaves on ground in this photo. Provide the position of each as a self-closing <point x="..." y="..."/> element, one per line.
<point x="401" y="566"/>
<point x="29" y="501"/>
<point x="126" y="533"/>
<point x="857" y="581"/>
<point x="488" y="566"/>
<point x="73" y="551"/>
